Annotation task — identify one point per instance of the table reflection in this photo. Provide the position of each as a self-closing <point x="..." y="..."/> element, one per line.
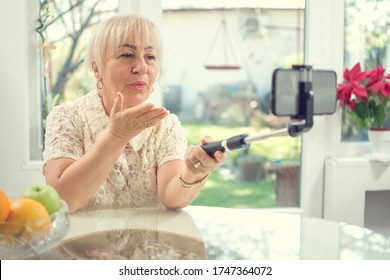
<point x="215" y="233"/>
<point x="139" y="234"/>
<point x="133" y="244"/>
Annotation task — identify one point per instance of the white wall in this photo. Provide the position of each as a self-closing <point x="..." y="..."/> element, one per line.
<point x="347" y="181"/>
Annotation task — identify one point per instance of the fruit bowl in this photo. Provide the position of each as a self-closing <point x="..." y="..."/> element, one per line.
<point x="30" y="243"/>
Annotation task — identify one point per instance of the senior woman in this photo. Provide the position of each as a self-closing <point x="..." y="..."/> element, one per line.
<point x="112" y="148"/>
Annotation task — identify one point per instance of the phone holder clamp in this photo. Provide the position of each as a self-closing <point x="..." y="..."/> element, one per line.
<point x="303" y="121"/>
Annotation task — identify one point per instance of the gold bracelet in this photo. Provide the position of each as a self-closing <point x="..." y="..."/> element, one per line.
<point x="188" y="186"/>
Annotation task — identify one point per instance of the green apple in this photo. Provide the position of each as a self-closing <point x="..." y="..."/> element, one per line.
<point x="46" y="195"/>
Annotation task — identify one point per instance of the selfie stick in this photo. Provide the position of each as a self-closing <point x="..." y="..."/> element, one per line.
<point x="302" y="122"/>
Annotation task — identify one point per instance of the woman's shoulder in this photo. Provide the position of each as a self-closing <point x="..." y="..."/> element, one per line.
<point x="76" y="107"/>
<point x="170" y="126"/>
<point x="170" y="121"/>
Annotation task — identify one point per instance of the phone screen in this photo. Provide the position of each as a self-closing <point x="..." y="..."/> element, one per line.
<point x="285" y="92"/>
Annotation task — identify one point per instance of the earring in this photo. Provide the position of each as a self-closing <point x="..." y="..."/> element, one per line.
<point x="152" y="90"/>
<point x="100" y="84"/>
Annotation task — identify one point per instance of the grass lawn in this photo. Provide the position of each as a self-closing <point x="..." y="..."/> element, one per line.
<point x="222" y="192"/>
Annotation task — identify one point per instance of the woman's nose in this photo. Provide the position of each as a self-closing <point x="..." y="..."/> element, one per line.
<point x="139" y="67"/>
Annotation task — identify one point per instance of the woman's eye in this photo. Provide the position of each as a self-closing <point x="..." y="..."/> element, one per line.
<point x="126" y="55"/>
<point x="151" y="57"/>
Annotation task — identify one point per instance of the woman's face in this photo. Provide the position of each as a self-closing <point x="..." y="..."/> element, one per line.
<point x="132" y="70"/>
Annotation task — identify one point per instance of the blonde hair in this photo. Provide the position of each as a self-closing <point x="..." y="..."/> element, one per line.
<point x="117" y="30"/>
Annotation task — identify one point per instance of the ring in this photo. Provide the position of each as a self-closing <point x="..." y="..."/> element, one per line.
<point x="146" y="124"/>
<point x="197" y="165"/>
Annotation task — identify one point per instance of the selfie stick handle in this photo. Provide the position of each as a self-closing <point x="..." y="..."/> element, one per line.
<point x="230" y="144"/>
<point x="240" y="141"/>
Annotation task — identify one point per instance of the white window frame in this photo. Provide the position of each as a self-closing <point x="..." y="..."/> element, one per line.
<point x="324" y="48"/>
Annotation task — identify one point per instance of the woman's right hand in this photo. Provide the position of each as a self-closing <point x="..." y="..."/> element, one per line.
<point x="127" y="123"/>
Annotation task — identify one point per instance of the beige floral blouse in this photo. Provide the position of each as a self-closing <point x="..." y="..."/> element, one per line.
<point x="72" y="129"/>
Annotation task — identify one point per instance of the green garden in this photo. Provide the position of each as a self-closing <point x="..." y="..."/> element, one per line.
<point x="225" y="187"/>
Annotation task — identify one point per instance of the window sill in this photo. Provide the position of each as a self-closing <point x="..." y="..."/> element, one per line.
<point x="374" y="158"/>
<point x="32" y="165"/>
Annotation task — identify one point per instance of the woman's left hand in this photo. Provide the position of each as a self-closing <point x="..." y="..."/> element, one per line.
<point x="177" y="190"/>
<point x="199" y="162"/>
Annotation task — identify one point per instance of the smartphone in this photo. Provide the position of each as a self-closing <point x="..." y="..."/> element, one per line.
<point x="285" y="92"/>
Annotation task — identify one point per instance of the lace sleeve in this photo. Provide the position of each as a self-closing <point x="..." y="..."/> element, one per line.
<point x="63" y="136"/>
<point x="174" y="142"/>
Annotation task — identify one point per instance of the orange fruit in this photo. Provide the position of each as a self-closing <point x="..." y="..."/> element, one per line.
<point x="4" y="206"/>
<point x="26" y="217"/>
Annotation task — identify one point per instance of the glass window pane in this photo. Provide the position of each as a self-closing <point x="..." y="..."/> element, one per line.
<point x="64" y="28"/>
<point x="367" y="38"/>
<point x="218" y="64"/>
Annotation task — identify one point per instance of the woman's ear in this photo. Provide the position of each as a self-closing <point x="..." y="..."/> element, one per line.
<point x="95" y="70"/>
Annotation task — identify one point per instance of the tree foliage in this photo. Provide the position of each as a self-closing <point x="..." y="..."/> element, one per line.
<point x="63" y="29"/>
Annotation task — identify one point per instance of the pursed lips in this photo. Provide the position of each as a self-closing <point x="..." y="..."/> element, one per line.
<point x="138" y="85"/>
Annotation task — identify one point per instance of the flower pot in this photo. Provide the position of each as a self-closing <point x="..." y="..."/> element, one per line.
<point x="380" y="140"/>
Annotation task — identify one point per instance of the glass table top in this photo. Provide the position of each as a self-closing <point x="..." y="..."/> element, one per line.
<point x="214" y="233"/>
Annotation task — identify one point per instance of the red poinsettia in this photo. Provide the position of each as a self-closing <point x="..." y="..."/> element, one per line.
<point x="377" y="82"/>
<point x="365" y="95"/>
